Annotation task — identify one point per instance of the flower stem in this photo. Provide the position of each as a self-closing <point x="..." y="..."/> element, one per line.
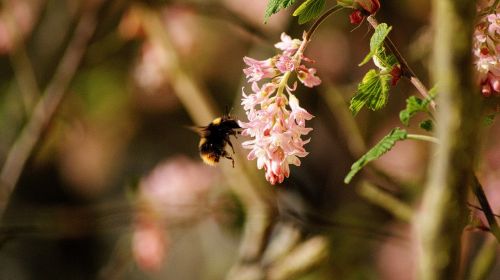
<point x="421" y="137"/>
<point x="283" y="83"/>
<point x="320" y="20"/>
<point x="494" y="6"/>
<point x="405" y="68"/>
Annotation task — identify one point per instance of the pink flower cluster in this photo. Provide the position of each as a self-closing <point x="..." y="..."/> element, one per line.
<point x="276" y="122"/>
<point x="487" y="53"/>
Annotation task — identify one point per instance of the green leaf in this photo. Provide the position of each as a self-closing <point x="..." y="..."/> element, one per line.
<point x="274" y="6"/>
<point x="427" y="125"/>
<point x="377" y="40"/>
<point x="309" y="10"/>
<point x="415" y="105"/>
<point x="372" y="92"/>
<point x="377" y="151"/>
<point x="489" y="119"/>
<point x="386" y="59"/>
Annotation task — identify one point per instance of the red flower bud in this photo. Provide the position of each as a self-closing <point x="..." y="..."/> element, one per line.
<point x="396" y="75"/>
<point x="371" y="6"/>
<point x="356" y="17"/>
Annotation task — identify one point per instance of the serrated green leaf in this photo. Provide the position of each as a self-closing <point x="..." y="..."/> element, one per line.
<point x="426" y="125"/>
<point x="413" y="106"/>
<point x="387" y="60"/>
<point x="274" y="6"/>
<point x="377" y="40"/>
<point x="377" y="151"/>
<point x="372" y="92"/>
<point x="309" y="10"/>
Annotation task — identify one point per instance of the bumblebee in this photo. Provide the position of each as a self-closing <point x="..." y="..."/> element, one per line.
<point x="215" y="137"/>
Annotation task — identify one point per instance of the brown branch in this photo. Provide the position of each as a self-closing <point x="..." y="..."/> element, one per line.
<point x="443" y="216"/>
<point x="405" y="67"/>
<point x="21" y="64"/>
<point x="46" y="107"/>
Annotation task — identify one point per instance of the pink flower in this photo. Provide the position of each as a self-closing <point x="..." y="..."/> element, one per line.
<point x="277" y="133"/>
<point x="276" y="122"/>
<point x="288" y="45"/>
<point x="494" y="24"/>
<point x="285" y="63"/>
<point x="299" y="114"/>
<point x="259" y="70"/>
<point x="486" y="50"/>
<point x="307" y="77"/>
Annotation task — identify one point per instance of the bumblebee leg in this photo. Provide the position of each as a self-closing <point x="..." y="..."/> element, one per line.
<point x="231" y="145"/>
<point x="226" y="155"/>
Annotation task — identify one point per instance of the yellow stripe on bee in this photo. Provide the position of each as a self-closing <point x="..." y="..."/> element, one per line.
<point x="217" y="121"/>
<point x="208" y="159"/>
<point x="202" y="141"/>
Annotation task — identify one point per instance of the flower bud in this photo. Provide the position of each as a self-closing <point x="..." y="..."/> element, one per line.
<point x="371" y="6"/>
<point x="395" y="74"/>
<point x="356" y="17"/>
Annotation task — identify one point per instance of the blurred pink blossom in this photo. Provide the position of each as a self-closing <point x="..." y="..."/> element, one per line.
<point x="20" y="19"/>
<point x="149" y="244"/>
<point x="178" y="188"/>
<point x="150" y="71"/>
<point x="276" y="122"/>
<point x="175" y="190"/>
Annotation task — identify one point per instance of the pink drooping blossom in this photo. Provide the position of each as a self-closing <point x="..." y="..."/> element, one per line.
<point x="276" y="122"/>
<point x="486" y="51"/>
<point x="259" y="70"/>
<point x="307" y="77"/>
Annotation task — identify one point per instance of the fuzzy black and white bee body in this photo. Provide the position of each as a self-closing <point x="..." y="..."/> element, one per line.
<point x="215" y="137"/>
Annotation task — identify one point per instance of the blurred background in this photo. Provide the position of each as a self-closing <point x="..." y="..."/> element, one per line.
<point x="101" y="177"/>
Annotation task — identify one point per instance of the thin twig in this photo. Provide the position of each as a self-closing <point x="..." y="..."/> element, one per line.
<point x="425" y="138"/>
<point x="320" y="20"/>
<point x="484" y="261"/>
<point x="21" y="64"/>
<point x="405" y="68"/>
<point x="387" y="201"/>
<point x="46" y="107"/>
<point x="477" y="188"/>
<point x="494" y="6"/>
<point x="480" y="209"/>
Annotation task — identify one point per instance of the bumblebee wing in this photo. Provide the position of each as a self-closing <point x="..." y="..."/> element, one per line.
<point x="200" y="130"/>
